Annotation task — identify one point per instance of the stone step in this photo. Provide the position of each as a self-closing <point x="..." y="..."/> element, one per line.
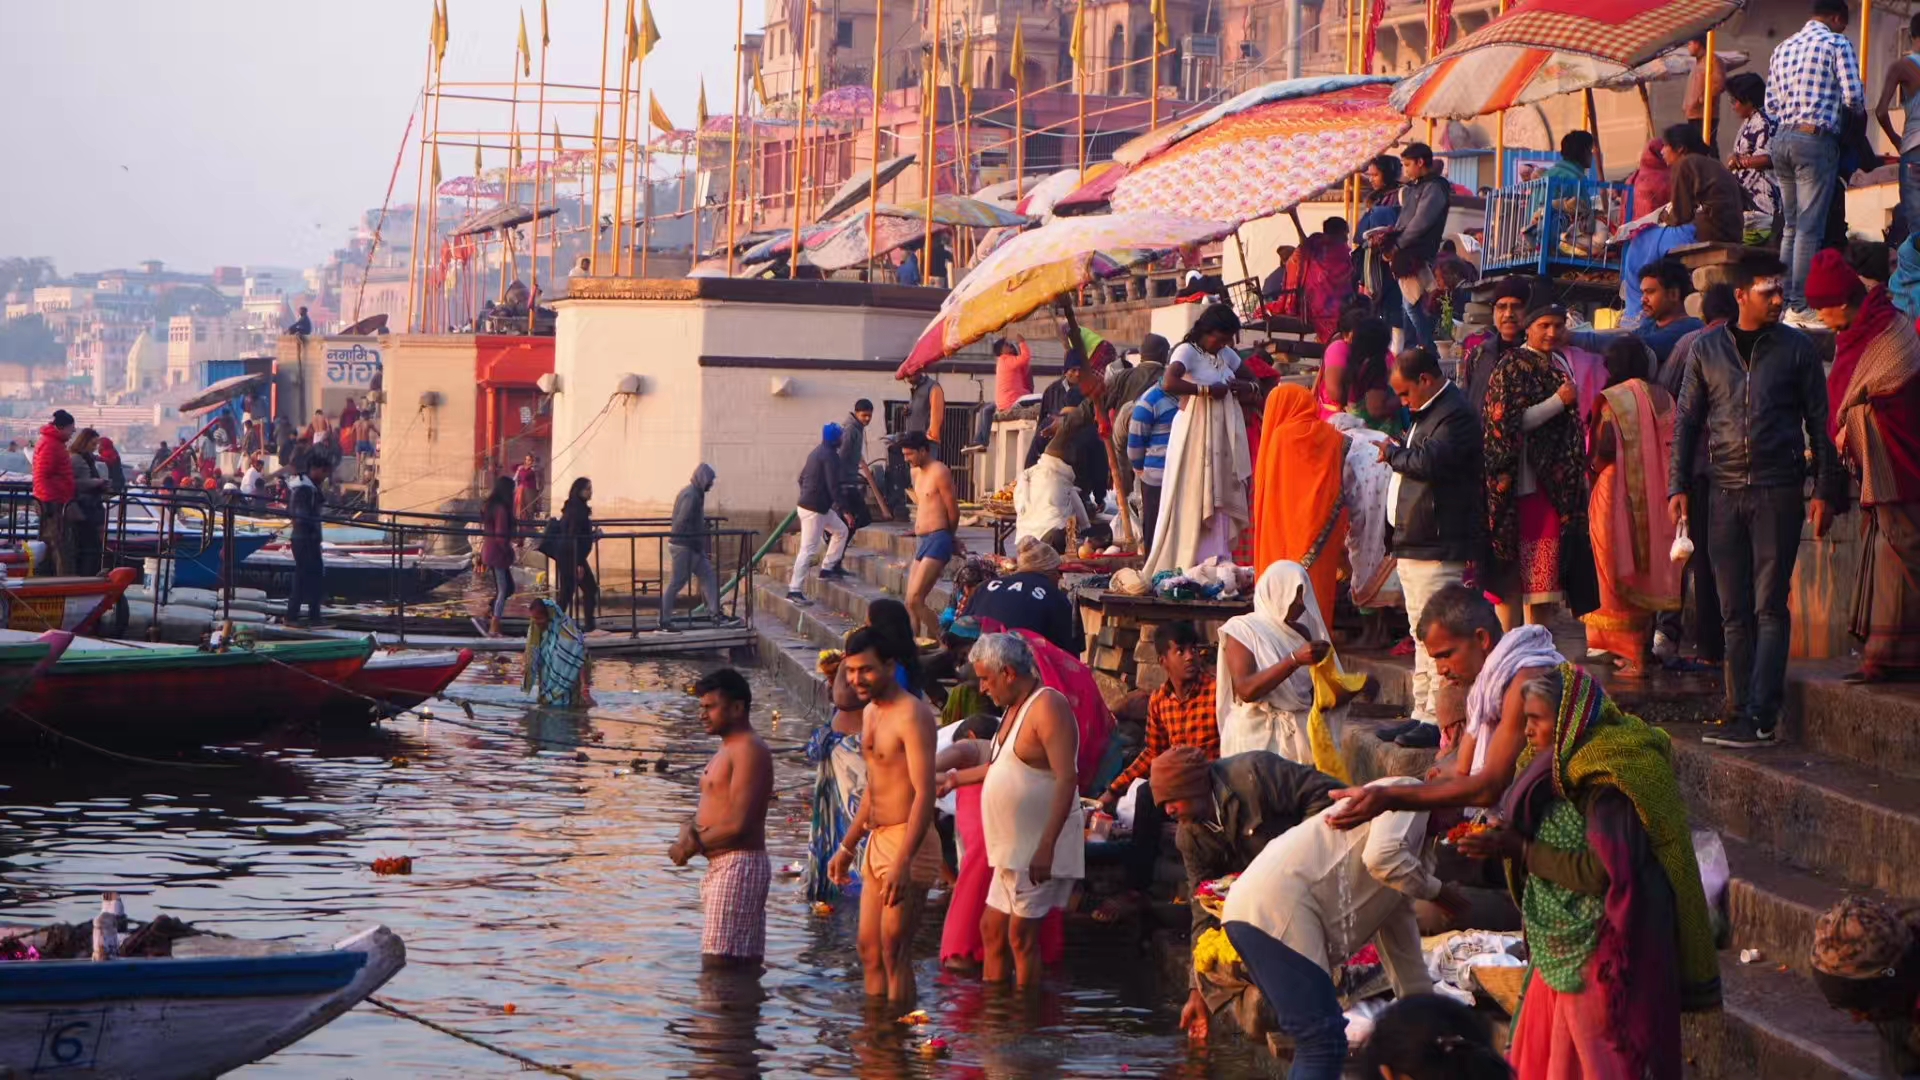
<point x="1876" y="726"/>
<point x="1775" y="1026"/>
<point x="1848" y="823"/>
<point x="1773" y="906"/>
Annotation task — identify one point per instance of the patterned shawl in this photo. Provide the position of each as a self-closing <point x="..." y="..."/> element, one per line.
<point x="1639" y="533"/>
<point x="1557" y="449"/>
<point x="556" y="657"/>
<point x="1876" y="366"/>
<point x="1596" y="743"/>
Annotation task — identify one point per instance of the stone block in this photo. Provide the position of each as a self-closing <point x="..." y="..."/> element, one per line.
<point x="1113" y="690"/>
<point x="1109" y="658"/>
<point x="1693" y="305"/>
<point x="1149" y="676"/>
<point x="1706" y="276"/>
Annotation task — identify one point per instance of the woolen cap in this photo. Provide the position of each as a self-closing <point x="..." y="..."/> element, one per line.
<point x="1831" y="282"/>
<point x="1183" y="772"/>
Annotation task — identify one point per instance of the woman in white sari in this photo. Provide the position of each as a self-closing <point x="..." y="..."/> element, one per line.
<point x="1269" y="663"/>
<point x="1203" y="499"/>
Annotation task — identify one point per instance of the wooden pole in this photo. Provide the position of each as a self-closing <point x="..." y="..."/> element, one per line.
<point x="873" y="179"/>
<point x="733" y="149"/>
<point x="643" y="178"/>
<point x="1079" y="78"/>
<point x="933" y="139"/>
<point x="621" y="263"/>
<point x="433" y="209"/>
<point x="1019" y="125"/>
<point x="800" y="135"/>
<point x="419" y="183"/>
<point x="599" y="136"/>
<point x="1500" y="136"/>
<point x="509" y="262"/>
<point x="539" y="121"/>
<point x="1711" y="60"/>
<point x="1866" y="39"/>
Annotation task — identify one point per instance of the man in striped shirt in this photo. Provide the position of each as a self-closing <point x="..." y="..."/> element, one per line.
<point x="1148" y="429"/>
<point x="1813" y="83"/>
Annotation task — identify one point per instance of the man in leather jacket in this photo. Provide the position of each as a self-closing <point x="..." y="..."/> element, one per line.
<point x="1436" y="509"/>
<point x="1754" y="391"/>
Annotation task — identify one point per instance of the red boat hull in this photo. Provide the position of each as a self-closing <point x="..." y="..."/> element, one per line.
<point x="397" y="685"/>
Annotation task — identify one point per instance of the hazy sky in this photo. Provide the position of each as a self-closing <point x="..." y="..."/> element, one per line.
<point x="228" y="132"/>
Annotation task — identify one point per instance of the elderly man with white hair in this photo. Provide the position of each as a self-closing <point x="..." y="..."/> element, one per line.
<point x="1030" y="808"/>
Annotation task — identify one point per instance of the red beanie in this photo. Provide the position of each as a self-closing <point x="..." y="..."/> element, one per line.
<point x="1832" y="283"/>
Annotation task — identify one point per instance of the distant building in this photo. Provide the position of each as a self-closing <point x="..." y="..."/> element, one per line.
<point x="192" y="340"/>
<point x="145" y="367"/>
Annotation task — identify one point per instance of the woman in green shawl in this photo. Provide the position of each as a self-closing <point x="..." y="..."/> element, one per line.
<point x="1601" y="858"/>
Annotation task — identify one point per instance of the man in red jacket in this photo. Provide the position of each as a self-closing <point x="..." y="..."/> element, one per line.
<point x="53" y="488"/>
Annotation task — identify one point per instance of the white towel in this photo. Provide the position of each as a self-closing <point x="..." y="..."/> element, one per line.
<point x="1526" y="647"/>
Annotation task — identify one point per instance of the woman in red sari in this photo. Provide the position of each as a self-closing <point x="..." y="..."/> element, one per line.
<point x="1628" y="521"/>
<point x="1320" y="273"/>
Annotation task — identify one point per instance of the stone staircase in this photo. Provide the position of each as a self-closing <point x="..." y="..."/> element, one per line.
<point x="1836" y="809"/>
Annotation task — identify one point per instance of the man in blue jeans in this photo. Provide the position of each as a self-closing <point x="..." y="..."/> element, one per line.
<point x="1312" y="898"/>
<point x="1813" y="83"/>
<point x="1755" y="392"/>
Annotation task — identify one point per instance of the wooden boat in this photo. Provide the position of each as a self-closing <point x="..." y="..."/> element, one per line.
<point x="26" y="657"/>
<point x="398" y="680"/>
<point x="355" y="576"/>
<point x="73" y="604"/>
<point x="123" y="693"/>
<point x="174" y="1018"/>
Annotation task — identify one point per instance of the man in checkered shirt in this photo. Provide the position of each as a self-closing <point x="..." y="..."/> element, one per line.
<point x="1813" y="83"/>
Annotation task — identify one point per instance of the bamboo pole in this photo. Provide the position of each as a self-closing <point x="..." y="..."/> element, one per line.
<point x="1500" y="136"/>
<point x="733" y="148"/>
<point x="1711" y="60"/>
<point x="620" y="147"/>
<point x="509" y="262"/>
<point x="599" y="137"/>
<point x="1019" y="121"/>
<point x="800" y="135"/>
<point x="643" y="167"/>
<point x="419" y="182"/>
<point x="933" y="139"/>
<point x="539" y="121"/>
<point x="873" y="179"/>
<point x="433" y="215"/>
<point x="1866" y="40"/>
<point x="1079" y="77"/>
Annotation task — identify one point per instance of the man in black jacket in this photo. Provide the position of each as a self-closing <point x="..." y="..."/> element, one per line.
<point x="305" y="503"/>
<point x="1414" y="242"/>
<point x="1436" y="508"/>
<point x="1756" y="392"/>
<point x="820" y="504"/>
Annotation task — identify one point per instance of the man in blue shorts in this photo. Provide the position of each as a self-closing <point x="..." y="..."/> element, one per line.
<point x="936" y="515"/>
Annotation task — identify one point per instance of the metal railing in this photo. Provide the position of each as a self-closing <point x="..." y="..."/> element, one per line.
<point x="1555" y="223"/>
<point x="169" y="527"/>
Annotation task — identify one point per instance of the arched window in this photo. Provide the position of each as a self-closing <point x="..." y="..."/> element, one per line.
<point x="1140" y="76"/>
<point x="989" y="82"/>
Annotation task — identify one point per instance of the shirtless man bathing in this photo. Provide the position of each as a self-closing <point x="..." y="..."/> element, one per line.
<point x="730" y="827"/>
<point x="896" y="818"/>
<point x="936" y="515"/>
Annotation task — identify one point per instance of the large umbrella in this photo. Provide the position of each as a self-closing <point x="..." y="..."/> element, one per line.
<point x="846" y="244"/>
<point x="783" y="243"/>
<point x="955" y="210"/>
<point x="504" y="216"/>
<point x="1541" y="48"/>
<point x="1035" y="267"/>
<point x="1291" y="140"/>
<point x="224" y="391"/>
<point x="1672" y="64"/>
<point x="854" y="191"/>
<point x="1092" y="197"/>
<point x="1039" y="199"/>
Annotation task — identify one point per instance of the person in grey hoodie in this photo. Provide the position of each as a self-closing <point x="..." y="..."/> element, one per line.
<point x="688" y="547"/>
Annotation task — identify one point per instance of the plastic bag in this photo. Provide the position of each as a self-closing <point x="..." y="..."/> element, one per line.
<point x="1682" y="543"/>
<point x="1711" y="854"/>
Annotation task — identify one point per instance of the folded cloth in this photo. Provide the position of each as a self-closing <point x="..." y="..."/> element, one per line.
<point x="733" y="897"/>
<point x="884" y="843"/>
<point x="1522" y="648"/>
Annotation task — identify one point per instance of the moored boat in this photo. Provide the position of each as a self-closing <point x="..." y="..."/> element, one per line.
<point x="352" y="576"/>
<point x="74" y="604"/>
<point x="173" y="1018"/>
<point x="121" y="693"/>
<point x="397" y="680"/>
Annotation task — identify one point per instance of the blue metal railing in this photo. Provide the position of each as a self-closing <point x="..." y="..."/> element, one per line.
<point x="1545" y="225"/>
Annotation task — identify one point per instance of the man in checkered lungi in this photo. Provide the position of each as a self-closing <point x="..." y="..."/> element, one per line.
<point x="730" y="826"/>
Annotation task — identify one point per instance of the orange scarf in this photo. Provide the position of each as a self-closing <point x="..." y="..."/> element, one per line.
<point x="1298" y="512"/>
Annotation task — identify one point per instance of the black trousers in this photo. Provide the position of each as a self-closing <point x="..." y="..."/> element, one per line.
<point x="567" y="578"/>
<point x="1754" y="546"/>
<point x="309" y="572"/>
<point x="1709" y="637"/>
<point x="1148" y="823"/>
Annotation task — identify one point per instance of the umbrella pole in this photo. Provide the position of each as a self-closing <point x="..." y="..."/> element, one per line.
<point x="1711" y="59"/>
<point x="873" y="179"/>
<point x="1593" y="128"/>
<point x="1646" y="103"/>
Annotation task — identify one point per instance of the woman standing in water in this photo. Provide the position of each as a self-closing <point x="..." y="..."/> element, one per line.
<point x="496" y="551"/>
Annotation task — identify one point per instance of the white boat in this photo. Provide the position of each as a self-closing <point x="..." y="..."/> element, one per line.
<point x="178" y="1018"/>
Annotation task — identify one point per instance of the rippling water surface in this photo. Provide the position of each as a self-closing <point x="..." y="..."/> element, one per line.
<point x="540" y="880"/>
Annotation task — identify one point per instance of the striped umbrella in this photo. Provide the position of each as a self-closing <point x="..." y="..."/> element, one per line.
<point x="1541" y="48"/>
<point x="1038" y="266"/>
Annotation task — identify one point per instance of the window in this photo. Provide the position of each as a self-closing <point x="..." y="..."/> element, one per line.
<point x="843" y="34"/>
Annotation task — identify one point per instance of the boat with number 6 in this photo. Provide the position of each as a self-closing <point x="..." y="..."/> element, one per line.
<point x="173" y="1018"/>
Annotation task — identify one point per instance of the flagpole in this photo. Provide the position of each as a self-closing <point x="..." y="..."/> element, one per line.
<point x="620" y="150"/>
<point x="800" y="135"/>
<point x="599" y="134"/>
<point x="539" y="122"/>
<point x="873" y="180"/>
<point x="433" y="196"/>
<point x="643" y="182"/>
<point x="933" y="140"/>
<point x="733" y="150"/>
<point x="419" y="204"/>
<point x="506" y="183"/>
<point x="1079" y="74"/>
<point x="1019" y="115"/>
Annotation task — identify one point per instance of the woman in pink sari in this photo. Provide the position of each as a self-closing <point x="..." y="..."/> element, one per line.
<point x="1629" y="441"/>
<point x="1320" y="273"/>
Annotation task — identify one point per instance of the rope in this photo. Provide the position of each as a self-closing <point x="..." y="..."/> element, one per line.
<point x="115" y="754"/>
<point x="540" y="1066"/>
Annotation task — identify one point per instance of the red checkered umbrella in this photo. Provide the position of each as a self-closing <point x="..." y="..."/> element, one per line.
<point x="1541" y="48"/>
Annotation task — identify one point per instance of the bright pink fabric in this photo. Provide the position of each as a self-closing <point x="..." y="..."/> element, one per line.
<point x="1564" y="1036"/>
<point x="960" y="935"/>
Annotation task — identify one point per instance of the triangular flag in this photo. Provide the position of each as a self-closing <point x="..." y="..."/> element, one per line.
<point x="545" y="38"/>
<point x="526" y="51"/>
<point x="700" y="111"/>
<point x="438" y="34"/>
<point x="760" y="86"/>
<point x="557" y="144"/>
<point x="435" y="182"/>
<point x="649" y="31"/>
<point x="446" y="31"/>
<point x="1162" y="36"/>
<point x="966" y="69"/>
<point x="633" y="35"/>
<point x="658" y="115"/>
<point x="1019" y="59"/>
<point x="1077" y="49"/>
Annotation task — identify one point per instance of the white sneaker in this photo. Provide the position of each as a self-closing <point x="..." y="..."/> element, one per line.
<point x="1664" y="647"/>
<point x="1804" y="320"/>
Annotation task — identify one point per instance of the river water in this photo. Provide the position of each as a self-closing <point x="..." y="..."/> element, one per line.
<point x="540" y="882"/>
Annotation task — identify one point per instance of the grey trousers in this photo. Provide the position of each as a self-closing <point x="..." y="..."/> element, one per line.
<point x="688" y="565"/>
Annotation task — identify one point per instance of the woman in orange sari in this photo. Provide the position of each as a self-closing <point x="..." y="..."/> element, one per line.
<point x="1298" y="513"/>
<point x="1629" y="524"/>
